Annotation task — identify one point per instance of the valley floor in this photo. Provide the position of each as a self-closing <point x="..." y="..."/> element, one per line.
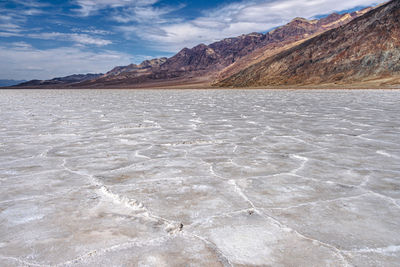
<point x="200" y="177"/>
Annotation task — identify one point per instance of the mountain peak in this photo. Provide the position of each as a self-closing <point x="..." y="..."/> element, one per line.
<point x="300" y="19"/>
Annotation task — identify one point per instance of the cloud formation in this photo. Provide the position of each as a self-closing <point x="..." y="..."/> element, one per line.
<point x="81" y="30"/>
<point x="89" y="7"/>
<point x="12" y="20"/>
<point x="234" y="19"/>
<point x="78" y="38"/>
<point x="22" y="60"/>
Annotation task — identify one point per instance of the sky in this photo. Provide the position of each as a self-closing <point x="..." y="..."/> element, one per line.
<point x="43" y="39"/>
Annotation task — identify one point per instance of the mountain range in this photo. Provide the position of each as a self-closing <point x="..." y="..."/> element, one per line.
<point x="10" y="82"/>
<point x="366" y="50"/>
<point x="352" y="49"/>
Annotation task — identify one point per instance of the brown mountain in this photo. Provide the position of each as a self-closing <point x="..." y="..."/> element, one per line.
<point x="199" y="63"/>
<point x="143" y="67"/>
<point x="289" y="35"/>
<point x="366" y="49"/>
<point x="203" y="63"/>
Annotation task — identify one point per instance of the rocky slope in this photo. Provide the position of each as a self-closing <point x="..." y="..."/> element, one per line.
<point x="187" y="65"/>
<point x="143" y="67"/>
<point x="289" y="35"/>
<point x="203" y="63"/>
<point x="367" y="48"/>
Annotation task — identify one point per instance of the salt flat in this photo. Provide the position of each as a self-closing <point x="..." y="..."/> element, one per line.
<point x="199" y="178"/>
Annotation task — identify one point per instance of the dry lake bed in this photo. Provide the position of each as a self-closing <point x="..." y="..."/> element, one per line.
<point x="199" y="178"/>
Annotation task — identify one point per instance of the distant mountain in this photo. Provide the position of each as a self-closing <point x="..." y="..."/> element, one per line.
<point x="202" y="64"/>
<point x="10" y="82"/>
<point x="143" y="67"/>
<point x="187" y="66"/>
<point x="331" y="49"/>
<point x="67" y="80"/>
<point x="365" y="50"/>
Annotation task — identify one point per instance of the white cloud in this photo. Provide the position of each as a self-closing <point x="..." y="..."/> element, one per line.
<point x="20" y="60"/>
<point x="126" y="11"/>
<point x="79" y="38"/>
<point x="140" y="19"/>
<point x="11" y="27"/>
<point x="13" y="24"/>
<point x="21" y="45"/>
<point x="12" y="20"/>
<point x="235" y="19"/>
<point x="9" y="34"/>
<point x="30" y="3"/>
<point x="32" y="12"/>
<point x="88" y="7"/>
<point x="92" y="31"/>
<point x="145" y="14"/>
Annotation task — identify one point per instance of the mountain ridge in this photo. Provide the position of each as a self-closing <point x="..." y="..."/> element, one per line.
<point x="206" y="61"/>
<point x="213" y="64"/>
<point x="351" y="53"/>
<point x="315" y="27"/>
<point x="70" y="79"/>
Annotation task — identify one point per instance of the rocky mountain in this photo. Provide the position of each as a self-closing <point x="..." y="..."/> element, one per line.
<point x="187" y="65"/>
<point x="203" y="63"/>
<point x="289" y="35"/>
<point x="141" y="68"/>
<point x="226" y="62"/>
<point x="67" y="80"/>
<point x="363" y="50"/>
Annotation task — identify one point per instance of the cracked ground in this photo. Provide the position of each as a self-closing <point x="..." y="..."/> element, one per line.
<point x="199" y="178"/>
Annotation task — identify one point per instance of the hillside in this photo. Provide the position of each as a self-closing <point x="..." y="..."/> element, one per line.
<point x="296" y="32"/>
<point x="60" y="81"/>
<point x="364" y="50"/>
<point x="203" y="64"/>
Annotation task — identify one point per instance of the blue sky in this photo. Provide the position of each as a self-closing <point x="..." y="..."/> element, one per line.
<point x="42" y="39"/>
